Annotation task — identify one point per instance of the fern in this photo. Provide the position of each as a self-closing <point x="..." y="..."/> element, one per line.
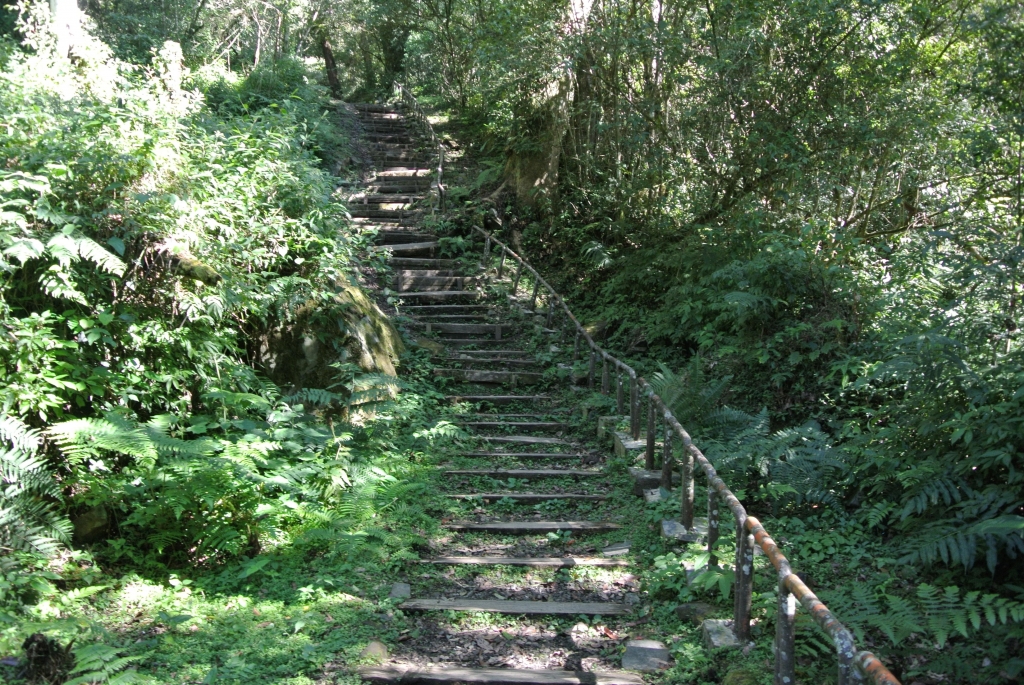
<point x="99" y="664"/>
<point x="30" y="520"/>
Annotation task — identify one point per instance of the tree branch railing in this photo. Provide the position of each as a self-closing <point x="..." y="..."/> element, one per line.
<point x="854" y="666"/>
<point x="413" y="105"/>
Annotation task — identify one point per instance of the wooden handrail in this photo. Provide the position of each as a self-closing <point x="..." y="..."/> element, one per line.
<point x="853" y="666"/>
<point x="410" y="101"/>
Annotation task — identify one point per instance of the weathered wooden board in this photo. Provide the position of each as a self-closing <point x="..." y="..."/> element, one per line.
<point x="538" y="562"/>
<point x="529" y="527"/>
<point x="438" y="675"/>
<point x="523" y="455"/>
<point x="525" y="473"/>
<point x="531" y="496"/>
<point x="524" y="439"/>
<point x="497" y="399"/>
<point x="512" y="606"/>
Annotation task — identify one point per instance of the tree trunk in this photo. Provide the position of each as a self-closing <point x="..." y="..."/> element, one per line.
<point x="330" y="66"/>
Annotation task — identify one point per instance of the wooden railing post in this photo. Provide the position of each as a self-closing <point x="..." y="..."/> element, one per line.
<point x="605" y="383"/>
<point x="487" y="252"/>
<point x="649" y="454"/>
<point x="551" y="311"/>
<point x="576" y="348"/>
<point x="744" y="587"/>
<point x="533" y="299"/>
<point x="515" y="281"/>
<point x="619" y="405"/>
<point x="686" y="486"/>
<point x="667" y="463"/>
<point x="501" y="263"/>
<point x="712" y="525"/>
<point x="785" y="633"/>
<point x="634" y="407"/>
<point x="593" y="365"/>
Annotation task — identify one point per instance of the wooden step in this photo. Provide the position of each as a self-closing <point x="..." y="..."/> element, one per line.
<point x="522" y="455"/>
<point x="413" y="248"/>
<point x="438" y="294"/>
<point x="534" y="527"/>
<point x="525" y="474"/>
<point x="530" y="496"/>
<point x="518" y="425"/>
<point x="507" y="353"/>
<point x="462" y="328"/>
<point x="413" y="273"/>
<point x="536" y="562"/>
<point x="447" y="308"/>
<point x="414" y="262"/>
<point x="523" y="439"/>
<point x="496" y="361"/>
<point x="398" y="237"/>
<point x="497" y="377"/>
<point x="434" y="284"/>
<point x="469" y="342"/>
<point x="404" y="172"/>
<point x="512" y="606"/>
<point x="447" y="675"/>
<point x="452" y="318"/>
<point x="497" y="399"/>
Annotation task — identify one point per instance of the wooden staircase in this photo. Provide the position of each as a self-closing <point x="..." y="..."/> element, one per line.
<point x="521" y="436"/>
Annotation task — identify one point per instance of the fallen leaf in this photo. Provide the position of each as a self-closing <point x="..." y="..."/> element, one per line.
<point x="328" y="618"/>
<point x="608" y="633"/>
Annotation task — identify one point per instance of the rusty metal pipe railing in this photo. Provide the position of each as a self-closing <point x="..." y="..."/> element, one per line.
<point x="853" y="666"/>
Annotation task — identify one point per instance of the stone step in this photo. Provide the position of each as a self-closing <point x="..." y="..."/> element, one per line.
<point x="510" y="606"/>
<point x="410" y="249"/>
<point x="445" y="675"/>
<point x="404" y="173"/>
<point x="531" y="456"/>
<point x="494" y="361"/>
<point x="469" y="342"/>
<point x="374" y="107"/>
<point x="523" y="439"/>
<point x="518" y="425"/>
<point x="490" y="329"/>
<point x="529" y="496"/>
<point x="498" y="399"/>
<point x="525" y="474"/>
<point x="413" y="273"/>
<point x="499" y="377"/>
<point x="359" y="211"/>
<point x="397" y="262"/>
<point x="435" y="284"/>
<point x="452" y="318"/>
<point x="364" y="198"/>
<point x="400" y="137"/>
<point x="396" y="237"/>
<point x="435" y="295"/>
<point x="505" y="353"/>
<point x="534" y="562"/>
<point x="534" y="527"/>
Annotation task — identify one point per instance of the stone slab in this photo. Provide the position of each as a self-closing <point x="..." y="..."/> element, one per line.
<point x="694" y="612"/>
<point x="645" y="655"/>
<point x="624" y="443"/>
<point x="647" y="480"/>
<point x="717" y="633"/>
<point x="616" y="549"/>
<point x="400" y="591"/>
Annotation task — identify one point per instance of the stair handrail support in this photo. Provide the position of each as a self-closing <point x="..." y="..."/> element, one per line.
<point x="854" y="666"/>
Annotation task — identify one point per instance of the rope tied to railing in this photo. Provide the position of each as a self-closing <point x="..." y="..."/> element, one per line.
<point x="853" y="666"/>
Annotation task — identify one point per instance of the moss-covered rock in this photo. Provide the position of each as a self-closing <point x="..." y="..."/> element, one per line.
<point x="742" y="676"/>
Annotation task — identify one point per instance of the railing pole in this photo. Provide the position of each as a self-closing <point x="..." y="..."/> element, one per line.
<point x="649" y="454"/>
<point x="634" y="408"/>
<point x="487" y="252"/>
<point x="686" y="513"/>
<point x="744" y="588"/>
<point x="785" y="634"/>
<point x="533" y="300"/>
<point x="712" y="525"/>
<point x="551" y="311"/>
<point x="590" y="374"/>
<point x="619" y="403"/>
<point x="667" y="463"/>
<point x="515" y="281"/>
<point x="501" y="264"/>
<point x="846" y="653"/>
<point x="576" y="348"/>
<point x="605" y="383"/>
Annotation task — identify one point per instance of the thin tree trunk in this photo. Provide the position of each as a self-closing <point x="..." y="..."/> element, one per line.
<point x="330" y="66"/>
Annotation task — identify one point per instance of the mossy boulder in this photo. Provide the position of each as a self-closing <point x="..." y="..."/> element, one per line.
<point x="742" y="676"/>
